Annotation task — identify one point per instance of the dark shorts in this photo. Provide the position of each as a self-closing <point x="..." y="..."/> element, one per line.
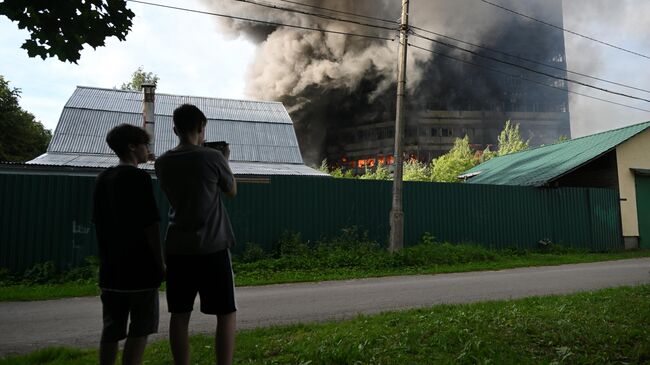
<point x="117" y="307"/>
<point x="208" y="275"/>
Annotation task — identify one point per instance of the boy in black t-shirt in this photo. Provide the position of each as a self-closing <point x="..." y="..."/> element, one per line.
<point x="131" y="267"/>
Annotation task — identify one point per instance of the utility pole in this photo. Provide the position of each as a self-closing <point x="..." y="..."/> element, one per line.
<point x="397" y="213"/>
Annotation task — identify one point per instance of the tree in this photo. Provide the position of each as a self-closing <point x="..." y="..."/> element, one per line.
<point x="62" y="28"/>
<point x="510" y="140"/>
<point x="138" y="78"/>
<point x="415" y="170"/>
<point x="22" y="138"/>
<point x="458" y="160"/>
<point x="380" y="173"/>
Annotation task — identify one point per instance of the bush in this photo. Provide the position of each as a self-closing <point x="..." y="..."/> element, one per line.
<point x="290" y="245"/>
<point x="89" y="272"/>
<point x="252" y="252"/>
<point x="40" y="274"/>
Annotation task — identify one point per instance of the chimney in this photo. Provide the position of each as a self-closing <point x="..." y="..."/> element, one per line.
<point x="149" y="121"/>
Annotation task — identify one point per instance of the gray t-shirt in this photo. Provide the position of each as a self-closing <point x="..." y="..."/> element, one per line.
<point x="192" y="177"/>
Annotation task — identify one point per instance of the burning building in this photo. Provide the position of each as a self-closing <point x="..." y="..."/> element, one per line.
<point x="340" y="89"/>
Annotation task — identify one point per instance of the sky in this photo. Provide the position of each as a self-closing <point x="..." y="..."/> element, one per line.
<point x="192" y="55"/>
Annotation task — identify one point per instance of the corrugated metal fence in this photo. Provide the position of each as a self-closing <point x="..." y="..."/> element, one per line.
<point x="48" y="217"/>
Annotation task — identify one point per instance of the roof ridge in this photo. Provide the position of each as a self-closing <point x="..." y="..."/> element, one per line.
<point x="178" y="95"/>
<point x="575" y="139"/>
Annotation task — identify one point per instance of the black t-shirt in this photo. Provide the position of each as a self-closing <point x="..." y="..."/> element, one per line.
<point x="124" y="205"/>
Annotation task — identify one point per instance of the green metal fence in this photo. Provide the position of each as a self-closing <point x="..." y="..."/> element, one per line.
<point x="48" y="217"/>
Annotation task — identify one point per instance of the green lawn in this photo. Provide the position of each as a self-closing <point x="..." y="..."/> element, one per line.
<point x="348" y="263"/>
<point x="607" y="326"/>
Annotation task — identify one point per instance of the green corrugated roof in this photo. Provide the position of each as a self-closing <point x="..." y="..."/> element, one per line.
<point x="540" y="165"/>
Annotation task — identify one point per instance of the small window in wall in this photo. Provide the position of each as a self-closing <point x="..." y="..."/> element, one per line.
<point x="434" y="132"/>
<point x="446" y="132"/>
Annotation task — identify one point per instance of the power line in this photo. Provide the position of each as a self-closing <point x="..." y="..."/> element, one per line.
<point x="525" y="79"/>
<point x="565" y="30"/>
<point x="461" y="41"/>
<point x="532" y="70"/>
<point x="261" y="21"/>
<point x="324" y="16"/>
<point x="530" y="60"/>
<point x="339" y="11"/>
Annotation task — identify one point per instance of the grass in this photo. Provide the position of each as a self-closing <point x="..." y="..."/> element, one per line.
<point x="606" y="326"/>
<point x="348" y="256"/>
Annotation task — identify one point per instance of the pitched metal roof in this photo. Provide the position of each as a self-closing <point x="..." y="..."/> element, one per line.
<point x="539" y="166"/>
<point x="102" y="161"/>
<point x="258" y="131"/>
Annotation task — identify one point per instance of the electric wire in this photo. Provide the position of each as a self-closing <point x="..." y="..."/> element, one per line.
<point x="532" y="70"/>
<point x="340" y="11"/>
<point x="461" y="41"/>
<point x="324" y="16"/>
<point x="530" y="60"/>
<point x="261" y="21"/>
<point x="393" y="39"/>
<point x="565" y="30"/>
<point x="525" y="79"/>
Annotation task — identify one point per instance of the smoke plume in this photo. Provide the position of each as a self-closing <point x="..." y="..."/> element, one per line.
<point x="329" y="81"/>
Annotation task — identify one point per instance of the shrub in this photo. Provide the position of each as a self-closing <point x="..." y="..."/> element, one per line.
<point x="291" y="244"/>
<point x="41" y="273"/>
<point x="252" y="252"/>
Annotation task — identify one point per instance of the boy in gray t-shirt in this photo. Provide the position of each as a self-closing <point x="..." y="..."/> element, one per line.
<point x="199" y="235"/>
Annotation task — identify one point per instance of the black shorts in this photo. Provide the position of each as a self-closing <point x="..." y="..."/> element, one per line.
<point x="117" y="307"/>
<point x="208" y="275"/>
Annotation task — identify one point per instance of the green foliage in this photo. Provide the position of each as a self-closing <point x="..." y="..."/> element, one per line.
<point x="22" y="138"/>
<point x="562" y="138"/>
<point x="510" y="140"/>
<point x="62" y="28"/>
<point x="324" y="166"/>
<point x="379" y="173"/>
<point x="47" y="273"/>
<point x="339" y="173"/>
<point x="449" y="166"/>
<point x="138" y="78"/>
<point x="291" y="244"/>
<point x="40" y="273"/>
<point x="415" y="170"/>
<point x="252" y="252"/>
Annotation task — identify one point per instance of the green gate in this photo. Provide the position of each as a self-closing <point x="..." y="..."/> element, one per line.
<point x="643" y="209"/>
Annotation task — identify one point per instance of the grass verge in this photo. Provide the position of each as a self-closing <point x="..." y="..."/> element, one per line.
<point x="351" y="255"/>
<point x="606" y="326"/>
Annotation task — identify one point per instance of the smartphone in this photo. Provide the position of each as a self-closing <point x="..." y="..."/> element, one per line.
<point x="219" y="146"/>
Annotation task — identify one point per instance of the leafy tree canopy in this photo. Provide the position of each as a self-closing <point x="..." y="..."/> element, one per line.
<point x="510" y="140"/>
<point x="458" y="160"/>
<point x="138" y="78"/>
<point x="61" y="28"/>
<point x="415" y="170"/>
<point x="22" y="138"/>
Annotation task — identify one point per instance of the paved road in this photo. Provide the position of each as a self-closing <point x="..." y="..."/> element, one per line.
<point x="76" y="322"/>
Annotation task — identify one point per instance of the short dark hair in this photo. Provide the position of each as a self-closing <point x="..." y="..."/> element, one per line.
<point x="120" y="137"/>
<point x="188" y="118"/>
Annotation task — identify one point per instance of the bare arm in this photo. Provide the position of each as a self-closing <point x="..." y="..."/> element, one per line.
<point x="233" y="192"/>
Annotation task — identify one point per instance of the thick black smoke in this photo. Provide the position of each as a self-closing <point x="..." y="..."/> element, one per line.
<point x="331" y="81"/>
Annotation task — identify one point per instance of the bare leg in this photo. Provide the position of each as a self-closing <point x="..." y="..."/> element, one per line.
<point x="133" y="350"/>
<point x="225" y="338"/>
<point x="107" y="353"/>
<point x="178" y="337"/>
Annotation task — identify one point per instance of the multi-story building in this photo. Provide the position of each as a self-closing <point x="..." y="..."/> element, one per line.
<point x="475" y="98"/>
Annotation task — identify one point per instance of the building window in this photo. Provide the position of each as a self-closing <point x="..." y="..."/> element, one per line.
<point x="434" y="132"/>
<point x="446" y="132"/>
